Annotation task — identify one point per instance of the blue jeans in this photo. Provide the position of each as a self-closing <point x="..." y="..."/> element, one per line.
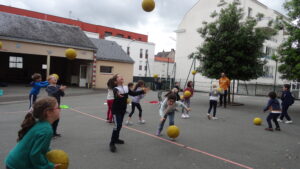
<point x="273" y="116"/>
<point x="171" y="120"/>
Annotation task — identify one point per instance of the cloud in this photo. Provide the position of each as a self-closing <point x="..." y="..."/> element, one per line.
<point x="124" y="14"/>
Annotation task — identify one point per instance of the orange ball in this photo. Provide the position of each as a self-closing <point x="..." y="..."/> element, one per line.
<point x="71" y="53"/>
<point x="194" y="72"/>
<point x="148" y="5"/>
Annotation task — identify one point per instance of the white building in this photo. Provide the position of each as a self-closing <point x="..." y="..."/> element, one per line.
<point x="164" y="64"/>
<point x="141" y="52"/>
<point x="188" y="39"/>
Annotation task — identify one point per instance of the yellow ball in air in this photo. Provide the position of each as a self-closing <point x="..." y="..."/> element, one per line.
<point x="71" y="53"/>
<point x="148" y="5"/>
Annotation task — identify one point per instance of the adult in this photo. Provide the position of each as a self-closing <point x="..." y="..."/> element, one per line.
<point x="224" y="84"/>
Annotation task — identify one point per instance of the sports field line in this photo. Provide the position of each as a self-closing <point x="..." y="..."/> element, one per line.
<point x="169" y="141"/>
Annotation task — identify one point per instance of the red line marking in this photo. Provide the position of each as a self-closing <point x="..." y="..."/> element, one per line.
<point x="172" y="142"/>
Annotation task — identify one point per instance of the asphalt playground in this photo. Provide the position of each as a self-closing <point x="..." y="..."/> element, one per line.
<point x="230" y="142"/>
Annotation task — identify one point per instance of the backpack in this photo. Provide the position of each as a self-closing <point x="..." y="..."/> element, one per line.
<point x="292" y="100"/>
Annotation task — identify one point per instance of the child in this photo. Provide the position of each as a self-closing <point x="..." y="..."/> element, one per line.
<point x="136" y="102"/>
<point x="287" y="100"/>
<point x="168" y="108"/>
<point x="175" y="92"/>
<point x="186" y="99"/>
<point x="36" y="86"/>
<point x="110" y="99"/>
<point x="55" y="91"/>
<point x="213" y="101"/>
<point x="119" y="106"/>
<point x="158" y="86"/>
<point x="274" y="107"/>
<point x="35" y="136"/>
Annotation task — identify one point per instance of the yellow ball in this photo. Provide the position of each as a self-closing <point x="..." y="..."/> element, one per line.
<point x="71" y="53"/>
<point x="148" y="5"/>
<point x="187" y="94"/>
<point x="128" y="101"/>
<point x="194" y="72"/>
<point x="181" y="97"/>
<point x="173" y="131"/>
<point x="58" y="157"/>
<point x="55" y="75"/>
<point x="220" y="89"/>
<point x="155" y="75"/>
<point x="1" y="45"/>
<point x="257" y="121"/>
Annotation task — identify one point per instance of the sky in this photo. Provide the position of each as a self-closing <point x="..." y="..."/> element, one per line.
<point x="128" y="15"/>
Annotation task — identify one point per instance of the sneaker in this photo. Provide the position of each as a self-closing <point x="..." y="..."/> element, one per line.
<point x="128" y="123"/>
<point x="214" y="118"/>
<point x="119" y="141"/>
<point x="142" y="121"/>
<point x="269" y="129"/>
<point x="56" y="135"/>
<point x="112" y="147"/>
<point x="278" y="129"/>
<point x="288" y="122"/>
<point x="208" y="116"/>
<point x="183" y="116"/>
<point x="279" y="120"/>
<point x="187" y="116"/>
<point x="158" y="133"/>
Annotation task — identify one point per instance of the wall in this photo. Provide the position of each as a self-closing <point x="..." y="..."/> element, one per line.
<point x="39" y="49"/>
<point x="135" y="47"/>
<point x="124" y="69"/>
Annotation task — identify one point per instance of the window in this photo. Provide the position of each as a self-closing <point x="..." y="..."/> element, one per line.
<point x="268" y="72"/>
<point x="145" y="67"/>
<point x="106" y="69"/>
<point x="128" y="51"/>
<point x="269" y="52"/>
<point x="120" y="35"/>
<point x="107" y="34"/>
<point x="249" y="12"/>
<point x="140" y="67"/>
<point x="141" y="53"/>
<point x="146" y="54"/>
<point x="15" y="62"/>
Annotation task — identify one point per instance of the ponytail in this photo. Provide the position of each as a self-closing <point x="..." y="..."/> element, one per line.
<point x="27" y="124"/>
<point x="40" y="108"/>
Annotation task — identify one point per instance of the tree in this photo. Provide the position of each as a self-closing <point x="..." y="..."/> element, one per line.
<point x="232" y="44"/>
<point x="289" y="51"/>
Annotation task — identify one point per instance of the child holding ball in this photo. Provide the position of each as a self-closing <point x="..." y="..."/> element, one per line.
<point x="34" y="137"/>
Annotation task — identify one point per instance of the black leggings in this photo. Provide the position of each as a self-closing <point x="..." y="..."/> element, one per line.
<point x="54" y="126"/>
<point x="133" y="105"/>
<point x="213" y="104"/>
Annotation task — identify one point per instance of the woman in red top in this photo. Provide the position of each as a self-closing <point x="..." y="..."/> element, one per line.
<point x="186" y="99"/>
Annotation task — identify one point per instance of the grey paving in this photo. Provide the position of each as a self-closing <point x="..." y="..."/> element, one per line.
<point x="232" y="136"/>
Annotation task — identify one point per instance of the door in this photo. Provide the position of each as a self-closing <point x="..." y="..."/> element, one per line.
<point x="83" y="76"/>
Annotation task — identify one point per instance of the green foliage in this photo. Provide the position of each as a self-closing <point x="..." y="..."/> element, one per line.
<point x="290" y="50"/>
<point x="232" y="44"/>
